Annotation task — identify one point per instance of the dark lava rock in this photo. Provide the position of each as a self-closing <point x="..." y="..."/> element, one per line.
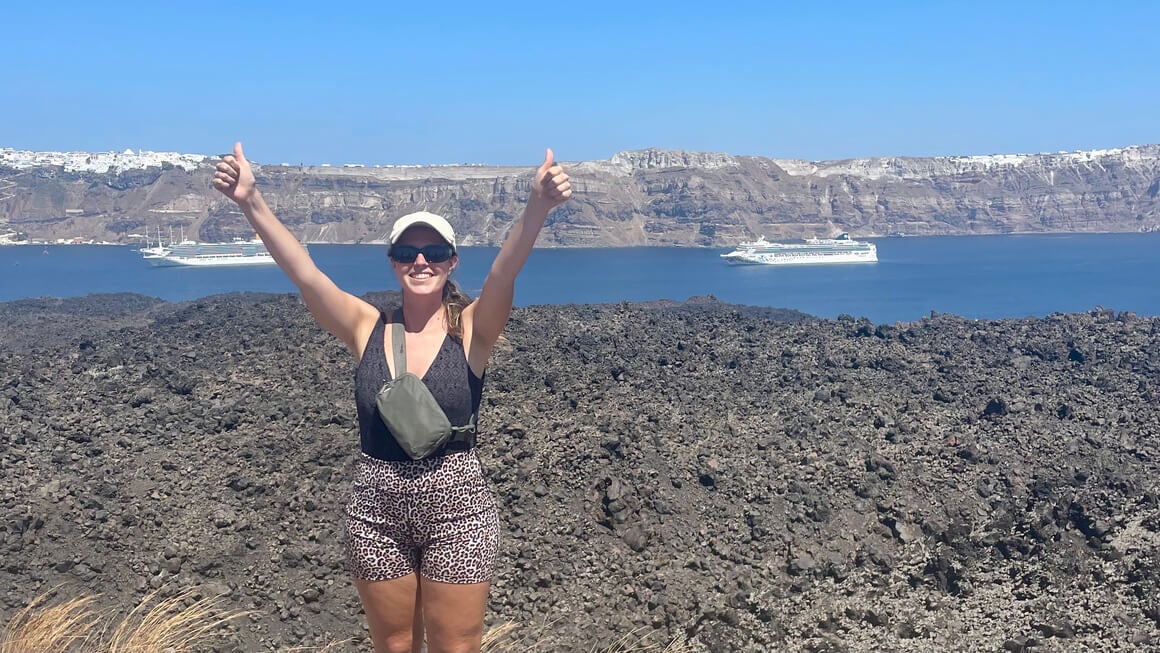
<point x="748" y="479"/>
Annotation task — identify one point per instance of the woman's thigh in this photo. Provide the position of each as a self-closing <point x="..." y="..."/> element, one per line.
<point x="453" y="615"/>
<point x="391" y="609"/>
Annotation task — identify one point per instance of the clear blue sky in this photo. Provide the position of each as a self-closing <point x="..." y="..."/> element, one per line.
<point x="443" y="82"/>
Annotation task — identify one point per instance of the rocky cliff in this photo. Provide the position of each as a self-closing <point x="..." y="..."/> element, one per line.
<point x="646" y="197"/>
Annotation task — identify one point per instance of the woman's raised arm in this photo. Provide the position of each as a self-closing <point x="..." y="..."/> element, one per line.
<point x="342" y="314"/>
<point x="488" y="315"/>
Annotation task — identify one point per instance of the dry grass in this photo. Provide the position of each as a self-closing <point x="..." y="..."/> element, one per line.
<point x="168" y="624"/>
<point x="180" y="624"/>
<point x="329" y="648"/>
<point x="64" y="627"/>
<point x="508" y="639"/>
<point x="177" y="624"/>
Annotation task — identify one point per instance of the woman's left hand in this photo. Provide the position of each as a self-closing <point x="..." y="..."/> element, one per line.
<point x="552" y="186"/>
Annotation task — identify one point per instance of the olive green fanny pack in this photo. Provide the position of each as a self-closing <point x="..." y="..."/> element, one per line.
<point x="410" y="411"/>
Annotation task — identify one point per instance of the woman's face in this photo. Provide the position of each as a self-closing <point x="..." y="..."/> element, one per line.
<point x="422" y="277"/>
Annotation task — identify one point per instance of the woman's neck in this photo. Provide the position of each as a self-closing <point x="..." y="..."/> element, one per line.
<point x="421" y="314"/>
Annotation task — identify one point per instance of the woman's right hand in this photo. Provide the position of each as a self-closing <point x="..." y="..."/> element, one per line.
<point x="552" y="186"/>
<point x="233" y="176"/>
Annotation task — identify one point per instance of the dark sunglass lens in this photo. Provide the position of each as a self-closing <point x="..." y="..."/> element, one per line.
<point x="437" y="253"/>
<point x="404" y="253"/>
<point x="431" y="253"/>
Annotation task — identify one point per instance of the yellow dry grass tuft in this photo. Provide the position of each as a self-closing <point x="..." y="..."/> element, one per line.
<point x="59" y="628"/>
<point x="176" y="624"/>
<point x="168" y="624"/>
<point x="181" y="623"/>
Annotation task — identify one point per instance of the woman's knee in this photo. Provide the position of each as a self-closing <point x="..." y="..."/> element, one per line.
<point x="396" y="643"/>
<point x="470" y="644"/>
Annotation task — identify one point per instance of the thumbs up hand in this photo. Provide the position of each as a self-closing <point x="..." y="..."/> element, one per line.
<point x="234" y="177"/>
<point x="552" y="186"/>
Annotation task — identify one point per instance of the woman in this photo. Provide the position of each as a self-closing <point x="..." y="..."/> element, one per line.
<point x="422" y="534"/>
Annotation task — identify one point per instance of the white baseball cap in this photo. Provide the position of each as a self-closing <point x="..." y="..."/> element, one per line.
<point x="426" y="219"/>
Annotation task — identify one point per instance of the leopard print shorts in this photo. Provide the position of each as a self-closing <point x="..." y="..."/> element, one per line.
<point x="434" y="516"/>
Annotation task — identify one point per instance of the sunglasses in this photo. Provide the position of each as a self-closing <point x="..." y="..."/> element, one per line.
<point x="431" y="253"/>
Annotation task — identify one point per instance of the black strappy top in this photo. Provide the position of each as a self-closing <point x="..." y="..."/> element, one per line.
<point x="450" y="380"/>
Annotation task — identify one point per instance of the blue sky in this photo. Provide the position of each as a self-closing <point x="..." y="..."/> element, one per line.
<point x="494" y="82"/>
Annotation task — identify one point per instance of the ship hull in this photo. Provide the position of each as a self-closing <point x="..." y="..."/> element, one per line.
<point x="814" y="251"/>
<point x="799" y="259"/>
<point x="208" y="255"/>
<point x="208" y="261"/>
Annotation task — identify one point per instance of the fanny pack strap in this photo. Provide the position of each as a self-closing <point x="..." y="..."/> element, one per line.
<point x="399" y="344"/>
<point x="465" y="433"/>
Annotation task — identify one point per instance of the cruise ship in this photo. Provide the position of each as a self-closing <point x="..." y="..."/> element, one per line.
<point x="195" y="254"/>
<point x="813" y="250"/>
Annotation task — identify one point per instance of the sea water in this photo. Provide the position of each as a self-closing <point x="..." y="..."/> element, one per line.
<point x="973" y="276"/>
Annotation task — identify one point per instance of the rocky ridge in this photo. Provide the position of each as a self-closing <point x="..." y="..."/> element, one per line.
<point x="751" y="479"/>
<point x="646" y="197"/>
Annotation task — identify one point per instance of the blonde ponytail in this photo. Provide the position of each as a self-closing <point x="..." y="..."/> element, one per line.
<point x="454" y="301"/>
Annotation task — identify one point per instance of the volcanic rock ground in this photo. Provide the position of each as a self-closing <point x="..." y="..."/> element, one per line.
<point x="755" y="480"/>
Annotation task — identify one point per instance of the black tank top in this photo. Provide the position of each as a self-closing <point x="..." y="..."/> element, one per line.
<point x="450" y="380"/>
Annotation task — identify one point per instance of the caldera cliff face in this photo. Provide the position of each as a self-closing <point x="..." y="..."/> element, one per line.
<point x="644" y="197"/>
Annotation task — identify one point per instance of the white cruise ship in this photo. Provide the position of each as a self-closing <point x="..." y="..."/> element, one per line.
<point x="813" y="250"/>
<point x="194" y="254"/>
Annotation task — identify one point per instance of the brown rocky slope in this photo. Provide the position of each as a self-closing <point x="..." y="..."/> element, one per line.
<point x="751" y="478"/>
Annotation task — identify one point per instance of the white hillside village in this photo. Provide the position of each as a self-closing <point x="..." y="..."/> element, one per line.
<point x="94" y="162"/>
<point x="105" y="163"/>
<point x="99" y="162"/>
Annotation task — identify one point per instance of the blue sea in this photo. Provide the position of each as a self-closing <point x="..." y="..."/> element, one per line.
<point x="973" y="276"/>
